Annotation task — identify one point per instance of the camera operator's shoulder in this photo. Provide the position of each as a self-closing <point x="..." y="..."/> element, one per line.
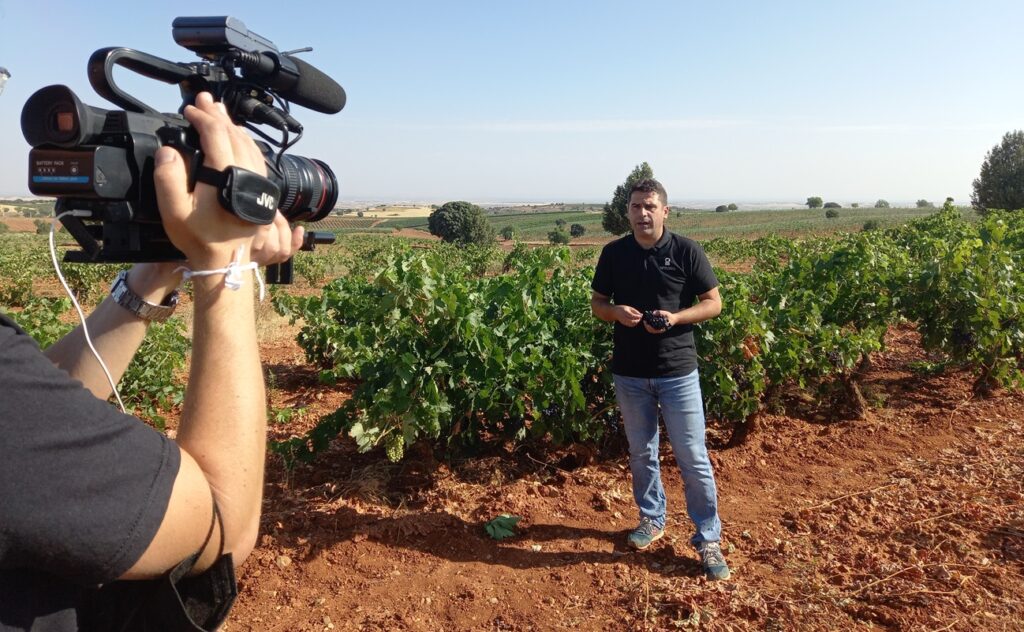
<point x="8" y="327"/>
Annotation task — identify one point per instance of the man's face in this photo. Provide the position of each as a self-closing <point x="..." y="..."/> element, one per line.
<point x="647" y="213"/>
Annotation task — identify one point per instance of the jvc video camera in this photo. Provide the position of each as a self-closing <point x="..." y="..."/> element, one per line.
<point x="99" y="163"/>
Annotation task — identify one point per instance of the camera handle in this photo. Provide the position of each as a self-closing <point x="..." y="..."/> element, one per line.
<point x="101" y="74"/>
<point x="284" y="273"/>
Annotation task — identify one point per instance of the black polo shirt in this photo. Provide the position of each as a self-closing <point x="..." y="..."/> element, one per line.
<point x="668" y="276"/>
<point x="83" y="488"/>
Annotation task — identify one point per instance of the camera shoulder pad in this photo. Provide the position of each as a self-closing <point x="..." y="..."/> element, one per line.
<point x="246" y="194"/>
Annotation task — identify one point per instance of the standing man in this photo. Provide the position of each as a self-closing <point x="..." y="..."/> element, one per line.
<point x="646" y="283"/>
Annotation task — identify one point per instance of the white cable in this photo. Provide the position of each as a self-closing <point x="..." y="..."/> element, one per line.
<point x="74" y="301"/>
<point x="232" y="279"/>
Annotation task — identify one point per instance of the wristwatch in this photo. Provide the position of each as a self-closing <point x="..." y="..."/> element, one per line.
<point x="135" y="304"/>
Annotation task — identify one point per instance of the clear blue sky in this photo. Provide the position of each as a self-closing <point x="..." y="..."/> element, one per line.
<point x="558" y="100"/>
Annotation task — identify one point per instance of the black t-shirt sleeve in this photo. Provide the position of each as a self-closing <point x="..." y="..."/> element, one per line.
<point x="702" y="277"/>
<point x="603" y="282"/>
<point x="83" y="487"/>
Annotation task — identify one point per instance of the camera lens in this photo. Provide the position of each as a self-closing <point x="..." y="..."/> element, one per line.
<point x="309" y="190"/>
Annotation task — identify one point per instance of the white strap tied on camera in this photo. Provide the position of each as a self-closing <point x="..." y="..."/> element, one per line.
<point x="232" y="273"/>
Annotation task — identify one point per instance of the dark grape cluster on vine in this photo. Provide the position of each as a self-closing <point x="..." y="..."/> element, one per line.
<point x="739" y="376"/>
<point x="964" y="339"/>
<point x="656" y="320"/>
<point x="835" y="359"/>
<point x="612" y="421"/>
<point x="552" y="411"/>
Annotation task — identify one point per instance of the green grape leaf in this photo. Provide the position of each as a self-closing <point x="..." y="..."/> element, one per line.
<point x="504" y="526"/>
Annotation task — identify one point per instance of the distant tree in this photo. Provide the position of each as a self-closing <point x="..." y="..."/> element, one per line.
<point x="558" y="237"/>
<point x="560" y="222"/>
<point x="614" y="220"/>
<point x="832" y="213"/>
<point x="42" y="227"/>
<point x="507" y="233"/>
<point x="814" y="202"/>
<point x="577" y="230"/>
<point x="833" y="205"/>
<point x="721" y="208"/>
<point x="881" y="204"/>
<point x="1001" y="181"/>
<point x="924" y="204"/>
<point x="460" y="222"/>
<point x="872" y="224"/>
<point x="733" y="207"/>
<point x="855" y="205"/>
<point x="359" y="213"/>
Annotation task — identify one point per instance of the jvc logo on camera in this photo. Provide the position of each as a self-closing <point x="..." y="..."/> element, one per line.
<point x="267" y="201"/>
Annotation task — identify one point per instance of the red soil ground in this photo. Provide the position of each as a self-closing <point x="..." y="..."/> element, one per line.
<point x="910" y="519"/>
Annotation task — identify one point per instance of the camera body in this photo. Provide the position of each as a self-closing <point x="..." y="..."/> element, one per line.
<point x="99" y="163"/>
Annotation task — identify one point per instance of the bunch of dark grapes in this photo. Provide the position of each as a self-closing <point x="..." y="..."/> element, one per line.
<point x="611" y="421"/>
<point x="552" y="411"/>
<point x="655" y="320"/>
<point x="739" y="376"/>
<point x="835" y="359"/>
<point x="964" y="339"/>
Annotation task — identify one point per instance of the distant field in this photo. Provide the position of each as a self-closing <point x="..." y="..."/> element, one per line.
<point x="397" y="211"/>
<point x="790" y="223"/>
<point x="534" y="222"/>
<point x="19" y="224"/>
<point x="703" y="224"/>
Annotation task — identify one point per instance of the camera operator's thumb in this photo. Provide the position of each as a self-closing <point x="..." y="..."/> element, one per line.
<point x="171" y="182"/>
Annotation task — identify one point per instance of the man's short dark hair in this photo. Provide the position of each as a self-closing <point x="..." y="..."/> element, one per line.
<point x="649" y="185"/>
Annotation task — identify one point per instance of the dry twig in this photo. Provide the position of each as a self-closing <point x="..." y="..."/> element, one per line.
<point x="866" y="491"/>
<point x="884" y="579"/>
<point x="545" y="463"/>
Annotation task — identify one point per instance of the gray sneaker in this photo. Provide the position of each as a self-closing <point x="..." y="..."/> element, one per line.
<point x="645" y="534"/>
<point x="713" y="561"/>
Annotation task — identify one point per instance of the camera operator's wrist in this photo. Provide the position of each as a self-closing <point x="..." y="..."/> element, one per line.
<point x="217" y="256"/>
<point x="154" y="282"/>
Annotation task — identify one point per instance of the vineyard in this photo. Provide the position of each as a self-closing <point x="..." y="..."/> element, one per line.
<point x="444" y="349"/>
<point x="863" y="395"/>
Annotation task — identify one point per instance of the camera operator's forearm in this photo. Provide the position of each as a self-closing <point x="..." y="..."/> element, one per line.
<point x="223" y="422"/>
<point x="116" y="333"/>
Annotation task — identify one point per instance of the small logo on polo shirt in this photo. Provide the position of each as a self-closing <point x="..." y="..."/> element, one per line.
<point x="668" y="261"/>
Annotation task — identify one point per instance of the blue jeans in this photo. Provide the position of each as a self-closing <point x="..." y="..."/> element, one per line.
<point x="682" y="408"/>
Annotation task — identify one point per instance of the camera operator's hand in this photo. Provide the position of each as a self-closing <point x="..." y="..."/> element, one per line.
<point x="195" y="222"/>
<point x="276" y="242"/>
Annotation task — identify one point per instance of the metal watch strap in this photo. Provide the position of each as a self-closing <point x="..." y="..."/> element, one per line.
<point x="135" y="304"/>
